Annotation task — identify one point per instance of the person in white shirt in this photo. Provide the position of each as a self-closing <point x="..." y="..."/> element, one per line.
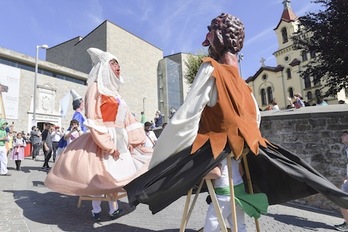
<point x="221" y="181"/>
<point x="56" y="136"/>
<point x="151" y="138"/>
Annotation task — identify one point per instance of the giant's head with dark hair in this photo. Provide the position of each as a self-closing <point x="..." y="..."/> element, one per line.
<point x="226" y="34"/>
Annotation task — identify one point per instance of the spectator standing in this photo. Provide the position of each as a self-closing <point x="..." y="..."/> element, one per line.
<point x="56" y="136"/>
<point x="47" y="144"/>
<point x="3" y="151"/>
<point x="142" y="118"/>
<point x="35" y="139"/>
<point x="151" y="138"/>
<point x="18" y="150"/>
<point x="297" y="102"/>
<point x="321" y="101"/>
<point x="274" y="105"/>
<point x="221" y="184"/>
<point x="9" y="144"/>
<point x="158" y="119"/>
<point x="73" y="132"/>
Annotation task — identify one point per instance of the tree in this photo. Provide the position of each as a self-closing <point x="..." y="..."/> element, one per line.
<point x="325" y="35"/>
<point x="193" y="63"/>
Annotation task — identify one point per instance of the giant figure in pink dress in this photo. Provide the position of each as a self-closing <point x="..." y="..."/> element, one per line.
<point x="112" y="153"/>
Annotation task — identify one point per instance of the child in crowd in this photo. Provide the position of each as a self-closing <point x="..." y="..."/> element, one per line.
<point x="74" y="131"/>
<point x="17" y="153"/>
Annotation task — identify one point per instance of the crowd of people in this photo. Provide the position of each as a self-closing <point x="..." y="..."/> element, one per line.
<point x="297" y="102"/>
<point x="112" y="151"/>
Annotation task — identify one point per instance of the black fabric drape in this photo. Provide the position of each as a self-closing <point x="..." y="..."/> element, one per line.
<point x="278" y="173"/>
<point x="284" y="176"/>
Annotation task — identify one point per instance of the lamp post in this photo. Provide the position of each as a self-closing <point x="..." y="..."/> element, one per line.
<point x="144" y="98"/>
<point x="35" y="79"/>
<point x="240" y="58"/>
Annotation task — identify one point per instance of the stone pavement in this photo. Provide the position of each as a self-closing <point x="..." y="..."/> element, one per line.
<point x="27" y="205"/>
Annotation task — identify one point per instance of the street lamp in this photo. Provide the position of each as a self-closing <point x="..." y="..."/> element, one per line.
<point x="144" y="98"/>
<point x="240" y="58"/>
<point x="35" y="79"/>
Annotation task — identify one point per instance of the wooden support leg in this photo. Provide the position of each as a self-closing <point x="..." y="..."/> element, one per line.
<point x="187" y="213"/>
<point x="104" y="197"/>
<point x="250" y="186"/>
<point x="216" y="206"/>
<point x="232" y="201"/>
<point x="184" y="215"/>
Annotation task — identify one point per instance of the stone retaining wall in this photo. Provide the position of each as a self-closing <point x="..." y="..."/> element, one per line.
<point x="313" y="133"/>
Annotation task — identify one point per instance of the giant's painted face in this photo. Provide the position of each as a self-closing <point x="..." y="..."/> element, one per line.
<point x="215" y="41"/>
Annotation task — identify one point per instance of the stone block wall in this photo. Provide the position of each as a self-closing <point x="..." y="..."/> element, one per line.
<point x="313" y="133"/>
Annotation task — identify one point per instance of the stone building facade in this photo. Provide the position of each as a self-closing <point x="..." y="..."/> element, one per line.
<point x="138" y="60"/>
<point x="67" y="66"/>
<point x="53" y="83"/>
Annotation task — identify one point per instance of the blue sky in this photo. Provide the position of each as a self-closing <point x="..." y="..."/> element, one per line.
<point x="171" y="25"/>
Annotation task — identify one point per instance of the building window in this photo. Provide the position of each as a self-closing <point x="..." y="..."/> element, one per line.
<point x="284" y="35"/>
<point x="304" y="56"/>
<point x="42" y="71"/>
<point x="317" y="93"/>
<point x="313" y="55"/>
<point x="269" y="94"/>
<point x="316" y="81"/>
<point x="291" y="92"/>
<point x="309" y="95"/>
<point x="288" y="73"/>
<point x="307" y="81"/>
<point x="263" y="97"/>
<point x="264" y="77"/>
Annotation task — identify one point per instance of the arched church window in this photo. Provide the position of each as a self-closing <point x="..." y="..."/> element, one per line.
<point x="307" y="81"/>
<point x="284" y="35"/>
<point x="291" y="92"/>
<point x="263" y="97"/>
<point x="288" y="73"/>
<point x="269" y="94"/>
<point x="304" y="56"/>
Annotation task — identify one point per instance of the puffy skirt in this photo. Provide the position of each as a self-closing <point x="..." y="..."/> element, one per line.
<point x="84" y="169"/>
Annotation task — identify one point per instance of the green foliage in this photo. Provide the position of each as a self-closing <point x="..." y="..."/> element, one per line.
<point x="326" y="33"/>
<point x="193" y="63"/>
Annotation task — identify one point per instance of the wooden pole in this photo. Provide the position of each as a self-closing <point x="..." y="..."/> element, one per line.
<point x="250" y="186"/>
<point x="232" y="201"/>
<point x="187" y="212"/>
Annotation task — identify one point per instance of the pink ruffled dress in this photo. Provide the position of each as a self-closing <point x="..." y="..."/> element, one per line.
<point x="87" y="166"/>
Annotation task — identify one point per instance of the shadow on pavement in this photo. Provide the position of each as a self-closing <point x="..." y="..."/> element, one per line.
<point x="299" y="221"/>
<point x="61" y="210"/>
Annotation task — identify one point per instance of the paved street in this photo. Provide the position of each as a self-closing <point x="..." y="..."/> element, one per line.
<point x="27" y="205"/>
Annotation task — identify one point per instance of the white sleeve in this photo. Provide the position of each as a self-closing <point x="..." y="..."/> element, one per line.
<point x="182" y="129"/>
<point x="258" y="114"/>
